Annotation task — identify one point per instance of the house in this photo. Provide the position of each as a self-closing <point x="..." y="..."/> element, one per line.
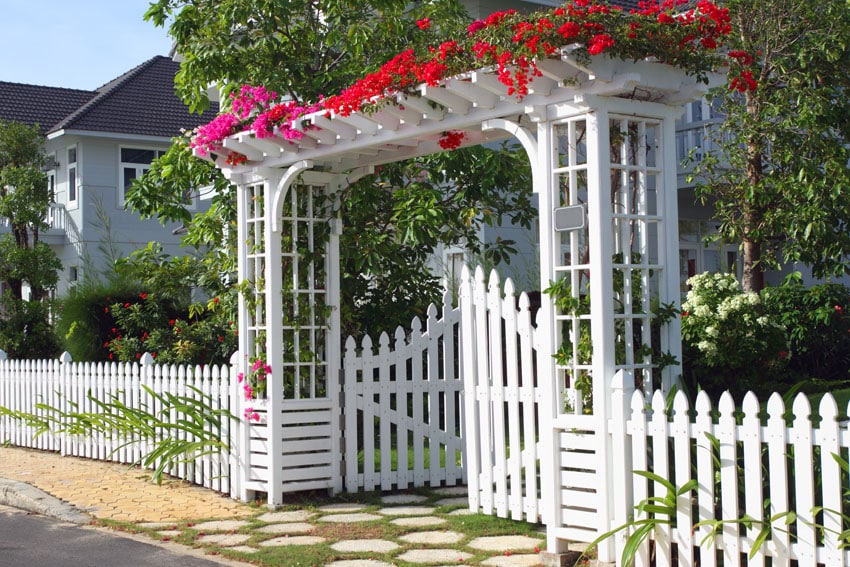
<point x="97" y="142"/>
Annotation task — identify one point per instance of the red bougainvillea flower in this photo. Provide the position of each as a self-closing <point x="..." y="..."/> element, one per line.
<point x="424" y="23"/>
<point x="451" y="140"/>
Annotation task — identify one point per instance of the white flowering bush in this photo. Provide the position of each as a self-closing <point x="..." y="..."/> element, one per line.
<point x="730" y="340"/>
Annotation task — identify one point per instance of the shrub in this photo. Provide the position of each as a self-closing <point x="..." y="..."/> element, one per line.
<point x="731" y="341"/>
<point x="817" y="326"/>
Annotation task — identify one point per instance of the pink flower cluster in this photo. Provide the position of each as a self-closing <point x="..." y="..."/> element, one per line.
<point x="254" y="384"/>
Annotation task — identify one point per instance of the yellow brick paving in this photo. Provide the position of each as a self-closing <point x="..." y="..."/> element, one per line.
<point x="113" y="491"/>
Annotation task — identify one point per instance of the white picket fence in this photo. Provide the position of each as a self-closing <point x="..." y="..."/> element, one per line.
<point x="744" y="463"/>
<point x="403" y="407"/>
<point x="66" y="385"/>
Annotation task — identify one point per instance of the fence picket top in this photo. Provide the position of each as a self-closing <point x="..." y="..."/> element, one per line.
<point x="350" y="346"/>
<point x="400" y="339"/>
<point x="384" y="342"/>
<point x="681" y="418"/>
<point x="510" y="288"/>
<point x="726" y="406"/>
<point x="638" y="405"/>
<point x="802" y="408"/>
<point x="828" y="409"/>
<point x="416" y="327"/>
<point x="366" y="346"/>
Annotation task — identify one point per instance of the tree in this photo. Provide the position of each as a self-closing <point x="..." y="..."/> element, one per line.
<point x="392" y="220"/>
<point x="779" y="183"/>
<point x="24" y="259"/>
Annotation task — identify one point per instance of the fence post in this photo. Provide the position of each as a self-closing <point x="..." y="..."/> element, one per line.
<point x="64" y="387"/>
<point x="622" y="390"/>
<point x="238" y="449"/>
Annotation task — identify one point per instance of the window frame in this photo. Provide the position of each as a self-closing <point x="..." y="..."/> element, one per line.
<point x="72" y="176"/>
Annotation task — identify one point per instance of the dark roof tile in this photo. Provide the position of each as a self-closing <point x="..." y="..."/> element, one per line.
<point x="142" y="101"/>
<point x="33" y="104"/>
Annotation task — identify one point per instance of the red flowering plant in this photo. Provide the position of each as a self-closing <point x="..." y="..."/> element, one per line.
<point x="512" y="44"/>
<point x="173" y="335"/>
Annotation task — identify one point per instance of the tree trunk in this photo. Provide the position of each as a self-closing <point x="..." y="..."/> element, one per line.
<point x="752" y="212"/>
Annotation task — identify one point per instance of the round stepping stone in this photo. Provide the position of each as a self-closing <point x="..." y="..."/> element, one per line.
<point x="432" y="538"/>
<point x="462" y="512"/>
<point x="244" y="549"/>
<point x="453" y="501"/>
<point x="403" y="498"/>
<point x="505" y="543"/>
<point x="349" y="518"/>
<point x="358" y="563"/>
<point x="342" y="507"/>
<point x="526" y="560"/>
<point x="291" y="528"/>
<point x="288" y="516"/>
<point x="420" y="522"/>
<point x="452" y="491"/>
<point x="434" y="556"/>
<point x="156" y="525"/>
<point x="294" y="540"/>
<point x="365" y="546"/>
<point x="169" y="533"/>
<point x="224" y="540"/>
<point x="221" y="525"/>
<point x="407" y="511"/>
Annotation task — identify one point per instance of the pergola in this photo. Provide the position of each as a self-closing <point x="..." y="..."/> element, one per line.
<point x="600" y="140"/>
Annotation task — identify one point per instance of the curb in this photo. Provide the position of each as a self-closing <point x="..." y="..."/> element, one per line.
<point x="27" y="497"/>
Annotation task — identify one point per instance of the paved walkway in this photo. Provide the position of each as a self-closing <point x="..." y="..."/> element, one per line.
<point x="405" y="529"/>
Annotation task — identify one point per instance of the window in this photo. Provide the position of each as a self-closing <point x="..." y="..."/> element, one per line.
<point x="72" y="176"/>
<point x="134" y="163"/>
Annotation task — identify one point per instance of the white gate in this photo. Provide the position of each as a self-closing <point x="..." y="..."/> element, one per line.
<point x="403" y="407"/>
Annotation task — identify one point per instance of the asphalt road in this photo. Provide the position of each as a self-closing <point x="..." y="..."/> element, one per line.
<point x="33" y="540"/>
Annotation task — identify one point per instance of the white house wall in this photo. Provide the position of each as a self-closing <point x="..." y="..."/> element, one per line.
<point x="98" y="179"/>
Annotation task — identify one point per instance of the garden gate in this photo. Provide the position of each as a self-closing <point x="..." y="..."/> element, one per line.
<point x="600" y="139"/>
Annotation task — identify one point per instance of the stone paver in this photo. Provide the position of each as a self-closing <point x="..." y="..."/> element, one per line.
<point x="342" y="507"/>
<point x="522" y="560"/>
<point x="221" y="525"/>
<point x="430" y="556"/>
<point x="418" y="522"/>
<point x="407" y="511"/>
<point x="365" y="546"/>
<point x="461" y="512"/>
<point x="244" y="549"/>
<point x="359" y="563"/>
<point x="432" y="538"/>
<point x="224" y="540"/>
<point x="291" y="528"/>
<point x="287" y="516"/>
<point x="169" y="533"/>
<point x="292" y="540"/>
<point x="349" y="518"/>
<point x="505" y="543"/>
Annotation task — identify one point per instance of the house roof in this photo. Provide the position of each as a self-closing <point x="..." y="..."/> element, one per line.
<point x="142" y="101"/>
<point x="45" y="106"/>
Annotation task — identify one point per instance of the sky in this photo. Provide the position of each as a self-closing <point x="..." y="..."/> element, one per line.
<point x="79" y="45"/>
